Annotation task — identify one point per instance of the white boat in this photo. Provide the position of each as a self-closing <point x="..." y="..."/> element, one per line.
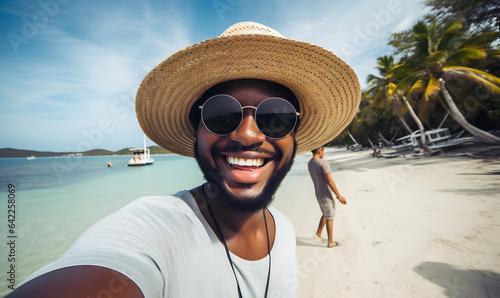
<point x="439" y="138"/>
<point x="140" y="156"/>
<point x="30" y="157"/>
<point x="406" y="143"/>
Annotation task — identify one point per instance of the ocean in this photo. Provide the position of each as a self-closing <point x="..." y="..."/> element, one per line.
<point x="57" y="199"/>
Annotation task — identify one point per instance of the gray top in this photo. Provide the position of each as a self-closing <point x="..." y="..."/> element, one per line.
<point x="318" y="168"/>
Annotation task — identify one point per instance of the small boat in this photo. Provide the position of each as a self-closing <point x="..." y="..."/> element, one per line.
<point x="140" y="156"/>
<point x="439" y="138"/>
<point x="406" y="143"/>
<point x="30" y="157"/>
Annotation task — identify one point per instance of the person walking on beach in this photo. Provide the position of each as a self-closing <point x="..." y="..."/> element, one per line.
<point x="321" y="175"/>
<point x="242" y="104"/>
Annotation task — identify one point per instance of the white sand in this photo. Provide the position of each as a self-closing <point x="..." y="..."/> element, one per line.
<point x="411" y="227"/>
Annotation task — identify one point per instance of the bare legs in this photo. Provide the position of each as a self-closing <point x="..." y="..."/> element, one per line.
<point x="329" y="229"/>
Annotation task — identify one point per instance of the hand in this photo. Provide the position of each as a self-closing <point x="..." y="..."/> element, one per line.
<point x="342" y="200"/>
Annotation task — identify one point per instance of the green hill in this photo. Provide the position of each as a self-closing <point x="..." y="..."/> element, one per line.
<point x="19" y="153"/>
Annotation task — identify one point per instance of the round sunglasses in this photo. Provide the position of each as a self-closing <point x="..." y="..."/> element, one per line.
<point x="275" y="117"/>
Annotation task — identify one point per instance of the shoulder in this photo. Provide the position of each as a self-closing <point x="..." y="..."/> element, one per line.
<point x="149" y="217"/>
<point x="323" y="161"/>
<point x="154" y="207"/>
<point x="284" y="227"/>
<point x="325" y="164"/>
<point x="158" y="202"/>
<point x="313" y="163"/>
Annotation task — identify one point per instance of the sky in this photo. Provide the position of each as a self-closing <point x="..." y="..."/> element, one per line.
<point x="69" y="69"/>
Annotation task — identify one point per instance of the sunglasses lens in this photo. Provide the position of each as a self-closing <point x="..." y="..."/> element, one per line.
<point x="276" y="117"/>
<point x="221" y="114"/>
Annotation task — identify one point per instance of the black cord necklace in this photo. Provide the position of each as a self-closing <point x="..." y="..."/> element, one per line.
<point x="229" y="255"/>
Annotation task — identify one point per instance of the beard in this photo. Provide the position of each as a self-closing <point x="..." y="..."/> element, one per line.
<point x="218" y="190"/>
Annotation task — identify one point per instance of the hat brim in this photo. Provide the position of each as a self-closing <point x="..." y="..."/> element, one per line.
<point x="327" y="89"/>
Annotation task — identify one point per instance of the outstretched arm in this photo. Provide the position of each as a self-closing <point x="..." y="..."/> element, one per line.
<point x="333" y="187"/>
<point x="79" y="282"/>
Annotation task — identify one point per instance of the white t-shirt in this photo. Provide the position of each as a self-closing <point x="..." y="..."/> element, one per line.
<point x="167" y="248"/>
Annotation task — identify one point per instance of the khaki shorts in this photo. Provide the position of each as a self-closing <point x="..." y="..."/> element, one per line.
<point x="327" y="206"/>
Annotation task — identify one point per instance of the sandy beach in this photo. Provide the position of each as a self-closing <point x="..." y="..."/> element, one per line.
<point x="424" y="227"/>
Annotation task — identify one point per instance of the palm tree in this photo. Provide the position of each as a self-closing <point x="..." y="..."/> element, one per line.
<point x="438" y="59"/>
<point x="379" y="90"/>
<point x="393" y="92"/>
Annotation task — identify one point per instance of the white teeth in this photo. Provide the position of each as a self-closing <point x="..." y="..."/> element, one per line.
<point x="257" y="162"/>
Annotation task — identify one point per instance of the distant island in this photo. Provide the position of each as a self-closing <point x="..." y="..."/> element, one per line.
<point x="19" y="153"/>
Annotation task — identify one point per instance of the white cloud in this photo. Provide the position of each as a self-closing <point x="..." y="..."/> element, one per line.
<point x="358" y="32"/>
<point x="66" y="78"/>
<point x="80" y="75"/>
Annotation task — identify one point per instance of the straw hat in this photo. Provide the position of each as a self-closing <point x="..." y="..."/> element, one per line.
<point x="326" y="87"/>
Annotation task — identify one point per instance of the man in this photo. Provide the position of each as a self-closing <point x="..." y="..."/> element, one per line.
<point x="322" y="178"/>
<point x="243" y="104"/>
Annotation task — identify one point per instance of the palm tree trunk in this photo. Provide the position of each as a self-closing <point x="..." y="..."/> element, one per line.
<point x="405" y="125"/>
<point x="370" y="141"/>
<point x="419" y="123"/>
<point x="396" y="106"/>
<point x="384" y="140"/>
<point x="353" y="139"/>
<point x="482" y="135"/>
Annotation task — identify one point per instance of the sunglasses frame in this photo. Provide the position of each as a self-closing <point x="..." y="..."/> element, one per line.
<point x="297" y="114"/>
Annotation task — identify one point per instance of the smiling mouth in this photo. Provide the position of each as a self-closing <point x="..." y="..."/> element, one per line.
<point x="242" y="162"/>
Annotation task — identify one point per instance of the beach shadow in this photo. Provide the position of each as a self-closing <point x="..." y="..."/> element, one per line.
<point x="461" y="283"/>
<point x="468" y="191"/>
<point x="474" y="174"/>
<point x="364" y="163"/>
<point x="303" y="241"/>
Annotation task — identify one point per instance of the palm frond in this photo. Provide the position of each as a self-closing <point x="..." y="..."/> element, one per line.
<point x="391" y="88"/>
<point x="453" y="29"/>
<point x="451" y="38"/>
<point x="426" y="107"/>
<point x="479" y="73"/>
<point x="409" y="80"/>
<point x="371" y="78"/>
<point x="489" y="85"/>
<point x="417" y="86"/>
<point x="464" y="55"/>
<point x="402" y="68"/>
<point x="385" y="63"/>
<point x="422" y="46"/>
<point x="482" y="39"/>
<point x="380" y="97"/>
<point x="432" y="88"/>
<point x="368" y="93"/>
<point x="420" y="27"/>
<point x="437" y="57"/>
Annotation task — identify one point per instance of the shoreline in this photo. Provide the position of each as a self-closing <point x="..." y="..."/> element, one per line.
<point x="411" y="227"/>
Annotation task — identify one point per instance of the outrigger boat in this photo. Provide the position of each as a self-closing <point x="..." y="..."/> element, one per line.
<point x="439" y="138"/>
<point x="140" y="157"/>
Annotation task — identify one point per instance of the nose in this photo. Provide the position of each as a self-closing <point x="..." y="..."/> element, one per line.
<point x="248" y="133"/>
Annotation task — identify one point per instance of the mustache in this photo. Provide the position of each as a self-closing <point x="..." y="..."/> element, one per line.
<point x="237" y="147"/>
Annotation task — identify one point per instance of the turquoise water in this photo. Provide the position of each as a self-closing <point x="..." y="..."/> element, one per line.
<point x="57" y="199"/>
